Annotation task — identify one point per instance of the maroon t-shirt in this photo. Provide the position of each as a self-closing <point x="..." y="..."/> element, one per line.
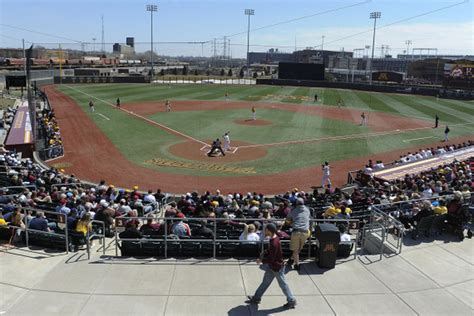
<point x="274" y="254"/>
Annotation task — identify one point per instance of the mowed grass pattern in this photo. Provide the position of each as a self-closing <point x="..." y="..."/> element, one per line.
<point x="140" y="141"/>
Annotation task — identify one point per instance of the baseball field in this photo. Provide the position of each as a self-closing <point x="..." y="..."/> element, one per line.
<point x="143" y="144"/>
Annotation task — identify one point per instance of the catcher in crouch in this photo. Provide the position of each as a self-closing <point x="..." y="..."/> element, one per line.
<point x="216" y="145"/>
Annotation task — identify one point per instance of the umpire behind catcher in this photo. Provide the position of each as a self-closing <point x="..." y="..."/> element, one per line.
<point x="216" y="145"/>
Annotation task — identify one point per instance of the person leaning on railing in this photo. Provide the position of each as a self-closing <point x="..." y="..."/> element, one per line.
<point x="299" y="220"/>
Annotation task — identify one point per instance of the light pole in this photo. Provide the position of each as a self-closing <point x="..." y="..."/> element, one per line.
<point x="322" y="48"/>
<point x="151" y="8"/>
<point x="408" y="43"/>
<point x="248" y="12"/>
<point x="373" y="15"/>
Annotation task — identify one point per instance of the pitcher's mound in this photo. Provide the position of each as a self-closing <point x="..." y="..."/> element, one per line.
<point x="253" y="122"/>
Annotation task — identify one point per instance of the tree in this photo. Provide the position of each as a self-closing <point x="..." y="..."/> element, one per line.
<point x="162" y="72"/>
<point x="196" y="72"/>
<point x="230" y="74"/>
<point x="222" y="72"/>
<point x="255" y="75"/>
<point x="208" y="73"/>
<point x="241" y="73"/>
<point x="175" y="71"/>
<point x="185" y="71"/>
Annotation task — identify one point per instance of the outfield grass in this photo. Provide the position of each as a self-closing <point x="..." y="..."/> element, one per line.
<point x="140" y="142"/>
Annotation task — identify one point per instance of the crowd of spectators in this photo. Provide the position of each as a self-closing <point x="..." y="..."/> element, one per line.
<point x="6" y="119"/>
<point x="243" y="214"/>
<point x="51" y="134"/>
<point x="421" y="154"/>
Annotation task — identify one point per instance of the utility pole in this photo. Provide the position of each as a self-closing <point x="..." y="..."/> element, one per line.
<point x="103" y="35"/>
<point x="151" y="8"/>
<point x="248" y="12"/>
<point x="374" y="16"/>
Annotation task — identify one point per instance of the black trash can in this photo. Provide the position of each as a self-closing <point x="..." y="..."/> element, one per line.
<point x="327" y="241"/>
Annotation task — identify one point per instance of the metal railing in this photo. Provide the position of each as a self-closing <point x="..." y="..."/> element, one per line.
<point x="393" y="228"/>
<point x="61" y="224"/>
<point x="167" y="238"/>
<point x="370" y="230"/>
<point x="90" y="237"/>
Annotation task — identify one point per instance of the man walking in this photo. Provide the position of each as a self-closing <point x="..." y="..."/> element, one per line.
<point x="299" y="219"/>
<point x="326" y="173"/>
<point x="436" y="121"/>
<point x="275" y="269"/>
<point x="446" y="132"/>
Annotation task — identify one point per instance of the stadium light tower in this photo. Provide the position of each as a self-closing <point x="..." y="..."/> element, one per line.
<point x="248" y="12"/>
<point x="373" y="15"/>
<point x="408" y="43"/>
<point x="151" y="8"/>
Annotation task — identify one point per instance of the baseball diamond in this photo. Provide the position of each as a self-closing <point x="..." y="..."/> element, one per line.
<point x="289" y="139"/>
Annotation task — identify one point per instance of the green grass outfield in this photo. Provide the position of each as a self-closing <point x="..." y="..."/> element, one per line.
<point x="140" y="141"/>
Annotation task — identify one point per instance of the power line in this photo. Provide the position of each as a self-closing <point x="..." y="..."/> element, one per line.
<point x="302" y="17"/>
<point x="399" y="21"/>
<point x="37" y="32"/>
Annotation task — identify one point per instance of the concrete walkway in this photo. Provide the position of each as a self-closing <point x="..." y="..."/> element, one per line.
<point x="428" y="278"/>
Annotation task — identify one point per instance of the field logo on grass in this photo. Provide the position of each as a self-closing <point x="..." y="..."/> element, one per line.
<point x="199" y="166"/>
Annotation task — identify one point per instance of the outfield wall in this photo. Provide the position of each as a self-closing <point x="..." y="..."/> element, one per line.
<point x="388" y="88"/>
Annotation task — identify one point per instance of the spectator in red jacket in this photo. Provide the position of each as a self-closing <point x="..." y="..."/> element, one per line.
<point x="275" y="269"/>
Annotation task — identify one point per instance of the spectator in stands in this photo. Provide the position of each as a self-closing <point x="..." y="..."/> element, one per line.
<point x="203" y="231"/>
<point x="249" y="234"/>
<point x="131" y="231"/>
<point x="283" y="210"/>
<point x="344" y="235"/>
<point x="180" y="228"/>
<point x="39" y="223"/>
<point x="171" y="211"/>
<point x="84" y="225"/>
<point x="299" y="220"/>
<point x="150" y="227"/>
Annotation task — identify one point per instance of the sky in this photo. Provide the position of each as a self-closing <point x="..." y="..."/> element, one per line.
<point x="345" y="24"/>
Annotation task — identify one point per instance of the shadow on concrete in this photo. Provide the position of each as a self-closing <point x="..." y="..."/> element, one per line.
<point x="239" y="310"/>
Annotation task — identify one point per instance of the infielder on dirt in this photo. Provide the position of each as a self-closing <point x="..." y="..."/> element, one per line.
<point x="254" y="113"/>
<point x="168" y="106"/>
<point x="226" y="142"/>
<point x="326" y="174"/>
<point x="363" y="119"/>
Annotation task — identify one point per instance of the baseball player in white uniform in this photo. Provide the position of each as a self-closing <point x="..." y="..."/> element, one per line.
<point x="226" y="142"/>
<point x="326" y="173"/>
<point x="168" y="106"/>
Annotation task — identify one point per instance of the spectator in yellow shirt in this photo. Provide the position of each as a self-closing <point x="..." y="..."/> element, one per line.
<point x="332" y="211"/>
<point x="441" y="208"/>
<point x="84" y="224"/>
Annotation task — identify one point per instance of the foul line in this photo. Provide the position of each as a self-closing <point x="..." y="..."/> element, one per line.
<point x="105" y="117"/>
<point x="142" y="117"/>
<point x="410" y="140"/>
<point x="344" y="137"/>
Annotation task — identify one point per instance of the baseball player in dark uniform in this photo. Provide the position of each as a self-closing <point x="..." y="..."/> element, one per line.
<point x="216" y="145"/>
<point x="118" y="103"/>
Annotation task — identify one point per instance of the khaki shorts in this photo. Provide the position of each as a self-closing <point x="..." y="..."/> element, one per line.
<point x="297" y="240"/>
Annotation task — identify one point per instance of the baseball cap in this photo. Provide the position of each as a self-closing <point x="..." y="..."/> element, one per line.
<point x="272" y="228"/>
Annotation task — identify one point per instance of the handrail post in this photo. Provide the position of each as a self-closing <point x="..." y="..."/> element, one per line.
<point x="214" y="240"/>
<point x="116" y="244"/>
<point x="166" y="239"/>
<point x="88" y="246"/>
<point x="27" y="224"/>
<point x="66" y="235"/>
